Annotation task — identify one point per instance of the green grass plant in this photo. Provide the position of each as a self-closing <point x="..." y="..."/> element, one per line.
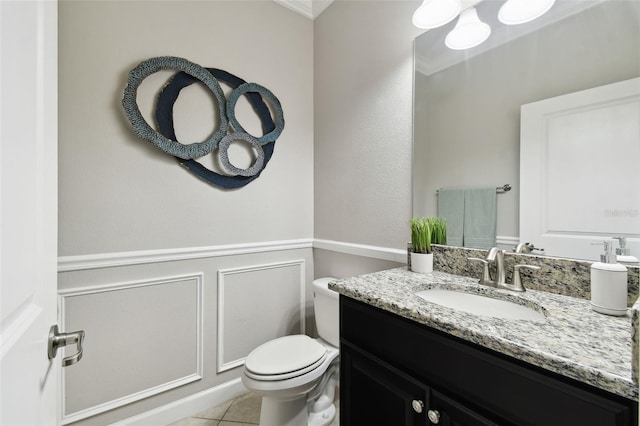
<point x="438" y="230"/>
<point x="426" y="231"/>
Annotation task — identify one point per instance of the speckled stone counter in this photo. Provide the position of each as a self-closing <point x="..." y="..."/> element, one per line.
<point x="571" y="277"/>
<point x="572" y="340"/>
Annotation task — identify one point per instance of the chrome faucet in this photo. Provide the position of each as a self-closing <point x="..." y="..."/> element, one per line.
<point x="496" y="256"/>
<point x="526" y="248"/>
<point x="493" y="256"/>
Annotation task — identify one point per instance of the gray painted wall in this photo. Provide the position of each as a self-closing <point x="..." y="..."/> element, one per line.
<point x="176" y="281"/>
<point x="120" y="193"/>
<point x="363" y="65"/>
<point x="341" y="170"/>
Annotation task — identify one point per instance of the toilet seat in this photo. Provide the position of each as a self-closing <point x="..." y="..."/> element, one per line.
<point x="285" y="358"/>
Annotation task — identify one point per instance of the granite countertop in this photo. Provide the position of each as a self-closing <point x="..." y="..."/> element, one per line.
<point x="573" y="340"/>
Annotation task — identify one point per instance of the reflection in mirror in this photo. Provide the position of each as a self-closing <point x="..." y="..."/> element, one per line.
<point x="467" y="103"/>
<point x="579" y="143"/>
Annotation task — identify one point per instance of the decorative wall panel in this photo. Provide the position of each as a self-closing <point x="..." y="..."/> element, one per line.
<point x="264" y="302"/>
<point x="142" y="338"/>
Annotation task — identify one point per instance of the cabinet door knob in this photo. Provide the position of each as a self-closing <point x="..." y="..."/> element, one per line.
<point x="434" y="416"/>
<point x="417" y="405"/>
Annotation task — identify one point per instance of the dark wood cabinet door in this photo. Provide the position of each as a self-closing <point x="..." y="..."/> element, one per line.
<point x="373" y="393"/>
<point x="444" y="411"/>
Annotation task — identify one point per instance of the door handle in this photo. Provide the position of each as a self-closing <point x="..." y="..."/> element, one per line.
<point x="58" y="340"/>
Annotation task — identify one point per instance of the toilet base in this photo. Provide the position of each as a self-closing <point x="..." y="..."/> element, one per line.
<point x="323" y="418"/>
<point x="322" y="410"/>
<point x="308" y="409"/>
<point x="276" y="412"/>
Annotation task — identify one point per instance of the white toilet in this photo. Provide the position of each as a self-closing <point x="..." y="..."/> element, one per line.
<point x="297" y="375"/>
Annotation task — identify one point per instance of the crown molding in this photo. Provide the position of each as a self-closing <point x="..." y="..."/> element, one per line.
<point x="308" y="8"/>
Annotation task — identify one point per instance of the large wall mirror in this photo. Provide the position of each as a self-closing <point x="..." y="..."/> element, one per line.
<point x="467" y="104"/>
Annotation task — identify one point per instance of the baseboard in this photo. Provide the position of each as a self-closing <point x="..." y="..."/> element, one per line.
<point x="187" y="407"/>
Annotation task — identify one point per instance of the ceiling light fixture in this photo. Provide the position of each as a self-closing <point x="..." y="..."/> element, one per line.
<point x="515" y="12"/>
<point x="435" y="13"/>
<point x="469" y="31"/>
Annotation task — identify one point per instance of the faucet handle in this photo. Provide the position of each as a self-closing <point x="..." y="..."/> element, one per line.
<point x="486" y="278"/>
<point x="517" y="281"/>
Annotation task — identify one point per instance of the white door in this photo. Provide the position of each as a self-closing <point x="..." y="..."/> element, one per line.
<point x="28" y="211"/>
<point x="579" y="174"/>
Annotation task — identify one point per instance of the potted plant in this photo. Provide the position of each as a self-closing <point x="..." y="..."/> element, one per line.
<point x="438" y="230"/>
<point x="424" y="232"/>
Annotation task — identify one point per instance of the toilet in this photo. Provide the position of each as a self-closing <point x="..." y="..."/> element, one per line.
<point x="297" y="375"/>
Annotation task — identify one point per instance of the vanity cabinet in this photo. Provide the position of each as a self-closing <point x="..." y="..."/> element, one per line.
<point x="379" y="394"/>
<point x="398" y="372"/>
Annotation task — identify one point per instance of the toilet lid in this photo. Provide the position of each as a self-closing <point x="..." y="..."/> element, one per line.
<point x="285" y="355"/>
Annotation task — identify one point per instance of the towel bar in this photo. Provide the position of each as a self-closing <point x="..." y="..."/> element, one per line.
<point x="500" y="189"/>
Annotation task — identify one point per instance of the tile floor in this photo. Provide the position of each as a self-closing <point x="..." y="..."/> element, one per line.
<point x="242" y="411"/>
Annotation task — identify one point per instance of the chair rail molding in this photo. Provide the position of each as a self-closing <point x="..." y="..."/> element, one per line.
<point x="376" y="252"/>
<point x="113" y="260"/>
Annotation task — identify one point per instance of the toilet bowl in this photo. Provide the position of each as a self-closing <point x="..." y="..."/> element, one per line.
<point x="297" y="375"/>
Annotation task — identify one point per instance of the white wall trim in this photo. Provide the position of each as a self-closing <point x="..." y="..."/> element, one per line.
<point x="303" y="7"/>
<point x="112" y="260"/>
<point x="119" y="259"/>
<point x="222" y="273"/>
<point x="154" y="390"/>
<point x="188" y="406"/>
<point x="309" y="8"/>
<point x="507" y="241"/>
<point x="383" y="253"/>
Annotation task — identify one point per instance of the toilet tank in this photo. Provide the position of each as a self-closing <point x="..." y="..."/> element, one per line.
<point x="327" y="311"/>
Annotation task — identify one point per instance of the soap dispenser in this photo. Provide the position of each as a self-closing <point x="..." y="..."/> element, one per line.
<point x="623" y="254"/>
<point x="609" y="284"/>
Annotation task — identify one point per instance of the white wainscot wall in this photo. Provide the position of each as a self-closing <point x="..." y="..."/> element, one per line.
<point x="165" y="328"/>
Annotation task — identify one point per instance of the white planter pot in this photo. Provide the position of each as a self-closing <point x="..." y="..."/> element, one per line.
<point x="422" y="262"/>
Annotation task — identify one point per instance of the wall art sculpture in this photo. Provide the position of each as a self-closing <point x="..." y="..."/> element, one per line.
<point x="228" y="131"/>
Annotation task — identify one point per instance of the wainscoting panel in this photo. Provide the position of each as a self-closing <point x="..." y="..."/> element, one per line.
<point x="142" y="338"/>
<point x="257" y="304"/>
<point x="157" y="322"/>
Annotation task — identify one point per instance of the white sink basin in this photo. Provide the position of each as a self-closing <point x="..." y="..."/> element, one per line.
<point x="480" y="305"/>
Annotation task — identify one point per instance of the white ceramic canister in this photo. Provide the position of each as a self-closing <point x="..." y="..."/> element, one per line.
<point x="422" y="262"/>
<point x="609" y="285"/>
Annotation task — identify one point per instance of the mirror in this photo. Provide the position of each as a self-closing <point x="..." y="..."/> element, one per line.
<point x="467" y="103"/>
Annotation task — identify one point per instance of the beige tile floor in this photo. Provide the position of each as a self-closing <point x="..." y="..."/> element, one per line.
<point x="242" y="411"/>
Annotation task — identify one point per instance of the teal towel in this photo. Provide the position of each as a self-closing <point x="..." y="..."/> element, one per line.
<point x="480" y="218"/>
<point x="451" y="209"/>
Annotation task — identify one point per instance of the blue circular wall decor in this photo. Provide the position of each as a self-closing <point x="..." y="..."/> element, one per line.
<point x="165" y="138"/>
